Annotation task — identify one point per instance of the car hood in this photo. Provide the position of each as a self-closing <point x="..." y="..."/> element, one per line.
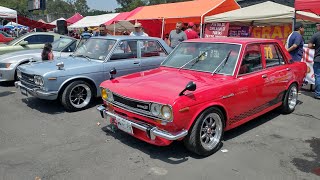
<point x="161" y="85"/>
<point x="72" y="66"/>
<point x="18" y="55"/>
<point x="3" y="45"/>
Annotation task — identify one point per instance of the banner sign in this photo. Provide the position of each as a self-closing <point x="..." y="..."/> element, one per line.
<point x="272" y="32"/>
<point x="216" y="30"/>
<point x="308" y="55"/>
<point x="239" y="31"/>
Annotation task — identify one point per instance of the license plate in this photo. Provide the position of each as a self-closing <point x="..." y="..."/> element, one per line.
<point x="124" y="125"/>
<point x="23" y="91"/>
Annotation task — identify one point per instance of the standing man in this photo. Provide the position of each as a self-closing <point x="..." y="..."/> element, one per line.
<point x="138" y="30"/>
<point x="176" y="36"/>
<point x="296" y="42"/>
<point x="85" y="34"/>
<point x="314" y="43"/>
<point x="102" y="30"/>
<point x="191" y="31"/>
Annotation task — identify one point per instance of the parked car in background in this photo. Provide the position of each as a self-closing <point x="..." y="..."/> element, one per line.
<point x="204" y="88"/>
<point x="4" y="37"/>
<point x="34" y="40"/>
<point x="9" y="62"/>
<point x="75" y="80"/>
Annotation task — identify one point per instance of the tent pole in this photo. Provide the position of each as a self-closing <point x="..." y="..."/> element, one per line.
<point x="294" y="20"/>
<point x="114" y="28"/>
<point x="162" y="31"/>
<point x="17" y="25"/>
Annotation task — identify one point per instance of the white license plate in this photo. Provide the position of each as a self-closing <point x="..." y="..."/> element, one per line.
<point x="124" y="125"/>
<point x="23" y="91"/>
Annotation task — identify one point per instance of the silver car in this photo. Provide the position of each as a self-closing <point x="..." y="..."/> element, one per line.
<point x="75" y="80"/>
<point x="10" y="61"/>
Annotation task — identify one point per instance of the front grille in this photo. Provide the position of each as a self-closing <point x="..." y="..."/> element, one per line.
<point x="138" y="105"/>
<point x="28" y="80"/>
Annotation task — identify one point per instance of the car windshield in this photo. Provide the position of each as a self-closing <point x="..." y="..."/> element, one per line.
<point x="95" y="48"/>
<point x="204" y="57"/>
<point x="11" y="43"/>
<point x="61" y="44"/>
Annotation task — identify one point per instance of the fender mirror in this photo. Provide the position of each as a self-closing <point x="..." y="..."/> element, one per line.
<point x="191" y="86"/>
<point x="112" y="72"/>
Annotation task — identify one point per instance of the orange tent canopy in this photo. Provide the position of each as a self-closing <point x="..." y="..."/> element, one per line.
<point x="185" y="11"/>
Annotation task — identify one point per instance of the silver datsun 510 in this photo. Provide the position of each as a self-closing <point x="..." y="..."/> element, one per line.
<point x="75" y="80"/>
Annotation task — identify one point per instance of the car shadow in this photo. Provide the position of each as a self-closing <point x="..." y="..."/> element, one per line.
<point x="7" y="83"/>
<point x="52" y="107"/>
<point x="6" y="93"/>
<point x="175" y="153"/>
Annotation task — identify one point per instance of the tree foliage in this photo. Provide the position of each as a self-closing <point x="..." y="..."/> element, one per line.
<point x="128" y="5"/>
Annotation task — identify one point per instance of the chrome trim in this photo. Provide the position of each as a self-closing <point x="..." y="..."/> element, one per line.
<point x="154" y="131"/>
<point x="37" y="92"/>
<point x="228" y="96"/>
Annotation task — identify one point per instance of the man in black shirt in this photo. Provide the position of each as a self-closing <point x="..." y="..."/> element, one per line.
<point x="314" y="43"/>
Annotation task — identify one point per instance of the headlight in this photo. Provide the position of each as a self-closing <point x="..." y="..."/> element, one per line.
<point x="38" y="80"/>
<point x="156" y="109"/>
<point x="166" y="112"/>
<point x="5" y="65"/>
<point x="104" y="94"/>
<point x="19" y="74"/>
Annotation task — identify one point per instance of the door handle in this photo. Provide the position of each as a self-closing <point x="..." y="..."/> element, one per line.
<point x="288" y="69"/>
<point x="136" y="62"/>
<point x="264" y="76"/>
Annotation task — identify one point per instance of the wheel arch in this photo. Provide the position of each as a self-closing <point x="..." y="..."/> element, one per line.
<point x="221" y="107"/>
<point x="70" y="80"/>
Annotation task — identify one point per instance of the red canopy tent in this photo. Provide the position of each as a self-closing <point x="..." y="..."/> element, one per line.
<point x="34" y="24"/>
<point x="123" y="16"/>
<point x="308" y="6"/>
<point x="75" y="18"/>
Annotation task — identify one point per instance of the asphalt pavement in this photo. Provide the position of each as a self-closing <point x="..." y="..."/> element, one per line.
<point x="39" y="140"/>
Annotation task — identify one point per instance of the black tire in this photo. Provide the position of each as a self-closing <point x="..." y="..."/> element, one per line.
<point x="193" y="140"/>
<point x="70" y="93"/>
<point x="287" y="107"/>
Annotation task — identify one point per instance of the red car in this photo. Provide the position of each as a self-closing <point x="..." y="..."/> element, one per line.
<point x="4" y="37"/>
<point x="204" y="88"/>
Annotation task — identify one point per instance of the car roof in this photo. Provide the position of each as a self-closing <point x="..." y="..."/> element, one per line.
<point x="125" y="37"/>
<point x="235" y="40"/>
<point x="47" y="33"/>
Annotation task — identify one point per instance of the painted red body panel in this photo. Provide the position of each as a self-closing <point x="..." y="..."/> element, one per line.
<point x="241" y="98"/>
<point x="4" y="39"/>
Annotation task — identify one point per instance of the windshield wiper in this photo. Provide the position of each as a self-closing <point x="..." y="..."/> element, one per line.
<point x="196" y="58"/>
<point x="223" y="62"/>
<point x="84" y="56"/>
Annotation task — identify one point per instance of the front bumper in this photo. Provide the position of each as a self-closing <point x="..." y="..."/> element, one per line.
<point x="152" y="132"/>
<point x="37" y="92"/>
<point x="6" y="74"/>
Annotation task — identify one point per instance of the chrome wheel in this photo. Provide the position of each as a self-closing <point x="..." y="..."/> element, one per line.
<point x="293" y="97"/>
<point x="80" y="95"/>
<point x="211" y="131"/>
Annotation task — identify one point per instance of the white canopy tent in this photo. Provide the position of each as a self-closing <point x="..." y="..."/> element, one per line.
<point x="93" y="21"/>
<point x="266" y="13"/>
<point x="55" y="21"/>
<point x="8" y="13"/>
<point x="121" y="26"/>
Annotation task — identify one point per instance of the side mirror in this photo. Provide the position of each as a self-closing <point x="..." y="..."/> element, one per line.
<point x="191" y="86"/>
<point x="23" y="43"/>
<point x="112" y="72"/>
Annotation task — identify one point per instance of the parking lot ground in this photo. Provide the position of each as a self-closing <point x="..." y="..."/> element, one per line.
<point x="39" y="140"/>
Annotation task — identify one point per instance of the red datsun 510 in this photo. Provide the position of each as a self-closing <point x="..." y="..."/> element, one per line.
<point x="203" y="88"/>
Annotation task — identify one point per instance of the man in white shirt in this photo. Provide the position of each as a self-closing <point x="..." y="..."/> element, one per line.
<point x="138" y="30"/>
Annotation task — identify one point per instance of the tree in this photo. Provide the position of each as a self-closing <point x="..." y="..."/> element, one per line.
<point x="81" y="6"/>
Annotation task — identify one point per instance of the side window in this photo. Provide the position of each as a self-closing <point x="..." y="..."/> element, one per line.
<point x="272" y="55"/>
<point x="39" y="39"/>
<point x="125" y="50"/>
<point x="151" y="48"/>
<point x="71" y="48"/>
<point x="251" y="61"/>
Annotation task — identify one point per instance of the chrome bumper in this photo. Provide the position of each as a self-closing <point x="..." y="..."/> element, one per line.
<point x="36" y="92"/>
<point x="150" y="130"/>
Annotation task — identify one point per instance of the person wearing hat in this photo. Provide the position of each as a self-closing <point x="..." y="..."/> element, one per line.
<point x="191" y="31"/>
<point x="296" y="42"/>
<point x="138" y="30"/>
<point x="314" y="43"/>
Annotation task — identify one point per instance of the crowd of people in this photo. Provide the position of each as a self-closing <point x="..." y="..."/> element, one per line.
<point x="295" y="44"/>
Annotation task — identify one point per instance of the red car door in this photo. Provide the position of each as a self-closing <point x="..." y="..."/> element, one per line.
<point x="278" y="73"/>
<point x="249" y="88"/>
